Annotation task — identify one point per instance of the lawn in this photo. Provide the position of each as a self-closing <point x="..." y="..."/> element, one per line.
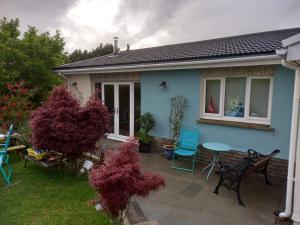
<point x="47" y="197"/>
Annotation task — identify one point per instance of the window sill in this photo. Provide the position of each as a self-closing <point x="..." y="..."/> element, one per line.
<point x="237" y="124"/>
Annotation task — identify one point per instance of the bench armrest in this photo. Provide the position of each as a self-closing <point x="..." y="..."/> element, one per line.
<point x="253" y="155"/>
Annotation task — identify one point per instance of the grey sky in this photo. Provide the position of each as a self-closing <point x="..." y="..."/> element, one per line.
<point x="145" y="23"/>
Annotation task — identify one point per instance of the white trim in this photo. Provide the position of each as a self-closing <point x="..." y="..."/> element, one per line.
<point x="213" y="63"/>
<point x="291" y="40"/>
<point x="247" y="118"/>
<point x="269" y="98"/>
<point x="116" y="135"/>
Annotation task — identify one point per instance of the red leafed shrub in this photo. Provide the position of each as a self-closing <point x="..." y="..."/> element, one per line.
<point x="120" y="177"/>
<point x="15" y="105"/>
<point x="61" y="124"/>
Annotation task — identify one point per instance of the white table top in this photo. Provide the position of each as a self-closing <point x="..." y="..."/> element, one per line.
<point x="213" y="146"/>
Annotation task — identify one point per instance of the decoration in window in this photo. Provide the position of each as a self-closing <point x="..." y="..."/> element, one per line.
<point x="235" y="90"/>
<point x="212" y="100"/>
<point x="243" y="98"/>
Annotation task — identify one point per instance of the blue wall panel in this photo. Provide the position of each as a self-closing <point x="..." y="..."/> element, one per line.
<point x="187" y="83"/>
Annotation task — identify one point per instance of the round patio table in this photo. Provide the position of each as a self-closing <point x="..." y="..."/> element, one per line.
<point x="216" y="148"/>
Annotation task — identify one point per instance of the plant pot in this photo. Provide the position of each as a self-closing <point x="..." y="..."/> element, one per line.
<point x="168" y="151"/>
<point x="87" y="164"/>
<point x="145" y="148"/>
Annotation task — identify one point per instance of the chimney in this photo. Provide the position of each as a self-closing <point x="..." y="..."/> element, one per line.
<point x="115" y="50"/>
<point x="128" y="47"/>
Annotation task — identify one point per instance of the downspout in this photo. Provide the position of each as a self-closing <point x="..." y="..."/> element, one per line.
<point x="68" y="80"/>
<point x="293" y="141"/>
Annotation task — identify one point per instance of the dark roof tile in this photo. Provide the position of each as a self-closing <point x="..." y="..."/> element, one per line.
<point x="264" y="43"/>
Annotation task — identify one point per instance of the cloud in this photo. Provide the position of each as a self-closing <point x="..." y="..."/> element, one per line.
<point x="144" y="23"/>
<point x="43" y="14"/>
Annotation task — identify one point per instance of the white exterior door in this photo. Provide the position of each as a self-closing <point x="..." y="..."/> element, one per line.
<point x="119" y="99"/>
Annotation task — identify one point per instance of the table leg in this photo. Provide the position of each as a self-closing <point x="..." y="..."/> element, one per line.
<point x="208" y="166"/>
<point x="212" y="164"/>
<point x="25" y="164"/>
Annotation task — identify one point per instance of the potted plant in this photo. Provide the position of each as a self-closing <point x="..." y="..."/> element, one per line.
<point x="147" y="123"/>
<point x="178" y="105"/>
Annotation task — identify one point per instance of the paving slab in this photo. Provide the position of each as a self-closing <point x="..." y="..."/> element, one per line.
<point x="188" y="198"/>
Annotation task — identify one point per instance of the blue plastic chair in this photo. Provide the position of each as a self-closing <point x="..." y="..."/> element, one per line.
<point x="4" y="158"/>
<point x="187" y="148"/>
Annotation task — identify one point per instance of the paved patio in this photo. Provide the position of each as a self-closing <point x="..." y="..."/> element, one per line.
<point x="189" y="198"/>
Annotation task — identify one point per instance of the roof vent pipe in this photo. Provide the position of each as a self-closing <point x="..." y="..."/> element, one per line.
<point x="115" y="49"/>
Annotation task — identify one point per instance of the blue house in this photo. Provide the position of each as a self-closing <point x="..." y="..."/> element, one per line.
<point x="241" y="90"/>
<point x="240" y="76"/>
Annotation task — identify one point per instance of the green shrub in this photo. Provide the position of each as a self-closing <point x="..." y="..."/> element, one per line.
<point x="24" y="132"/>
<point x="147" y="123"/>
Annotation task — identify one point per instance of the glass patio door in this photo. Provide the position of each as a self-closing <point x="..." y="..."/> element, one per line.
<point x="119" y="99"/>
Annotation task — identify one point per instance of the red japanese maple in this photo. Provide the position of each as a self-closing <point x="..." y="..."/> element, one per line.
<point x="120" y="177"/>
<point x="61" y="124"/>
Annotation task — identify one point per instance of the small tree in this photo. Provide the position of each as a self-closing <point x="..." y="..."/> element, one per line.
<point x="120" y="177"/>
<point x="61" y="124"/>
<point x="178" y="106"/>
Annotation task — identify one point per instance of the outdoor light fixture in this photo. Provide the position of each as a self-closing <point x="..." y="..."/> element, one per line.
<point x="163" y="84"/>
<point x="74" y="84"/>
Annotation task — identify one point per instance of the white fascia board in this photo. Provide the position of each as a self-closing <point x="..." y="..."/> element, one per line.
<point x="291" y="40"/>
<point x="231" y="62"/>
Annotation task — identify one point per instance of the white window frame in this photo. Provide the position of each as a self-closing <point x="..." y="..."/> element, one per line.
<point x="247" y="118"/>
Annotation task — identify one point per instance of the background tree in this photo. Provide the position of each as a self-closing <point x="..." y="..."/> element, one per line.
<point x="61" y="124"/>
<point x="15" y="105"/>
<point x="100" y="50"/>
<point x="30" y="57"/>
<point x="120" y="177"/>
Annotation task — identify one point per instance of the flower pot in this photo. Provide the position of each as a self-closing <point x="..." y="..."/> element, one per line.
<point x="87" y="164"/>
<point x="144" y="148"/>
<point x="168" y="151"/>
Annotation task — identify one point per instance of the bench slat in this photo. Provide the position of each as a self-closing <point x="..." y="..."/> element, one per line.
<point x="17" y="147"/>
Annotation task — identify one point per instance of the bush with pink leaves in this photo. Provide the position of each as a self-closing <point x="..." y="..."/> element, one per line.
<point x="62" y="125"/>
<point x="120" y="177"/>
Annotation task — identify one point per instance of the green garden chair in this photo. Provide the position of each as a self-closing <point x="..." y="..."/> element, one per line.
<point x="4" y="158"/>
<point x="186" y="148"/>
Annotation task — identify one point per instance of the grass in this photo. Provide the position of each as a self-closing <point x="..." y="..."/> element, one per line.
<point x="41" y="197"/>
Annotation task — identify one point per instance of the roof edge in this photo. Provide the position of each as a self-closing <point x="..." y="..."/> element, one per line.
<point x="225" y="62"/>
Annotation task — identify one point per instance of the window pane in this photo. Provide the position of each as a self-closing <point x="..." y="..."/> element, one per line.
<point x="235" y="90"/>
<point x="259" y="97"/>
<point x="124" y="109"/>
<point x="109" y="101"/>
<point x="212" y="97"/>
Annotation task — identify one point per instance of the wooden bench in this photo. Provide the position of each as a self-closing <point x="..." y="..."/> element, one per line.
<point x="231" y="175"/>
<point x="46" y="163"/>
<point x="18" y="148"/>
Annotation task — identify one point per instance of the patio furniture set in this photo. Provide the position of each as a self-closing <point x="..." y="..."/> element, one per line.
<point x="52" y="159"/>
<point x="187" y="148"/>
<point x="230" y="176"/>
